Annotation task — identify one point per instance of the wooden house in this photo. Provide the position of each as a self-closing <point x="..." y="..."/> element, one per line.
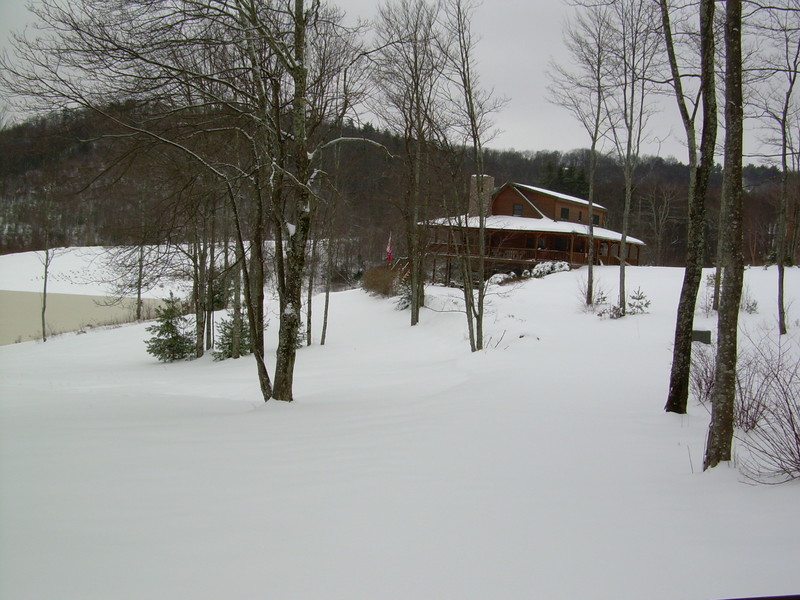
<point x="526" y="225"/>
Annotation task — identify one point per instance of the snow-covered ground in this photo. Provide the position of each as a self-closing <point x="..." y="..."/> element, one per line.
<point x="79" y="293"/>
<point x="85" y="271"/>
<point x="543" y="467"/>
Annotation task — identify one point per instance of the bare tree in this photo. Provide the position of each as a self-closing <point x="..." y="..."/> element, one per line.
<point x="634" y="52"/>
<point x="48" y="252"/>
<point x="778" y="27"/>
<point x="720" y="432"/>
<point x="409" y="68"/>
<point x="700" y="99"/>
<point x="659" y="215"/>
<point x="581" y="88"/>
<point x="472" y="108"/>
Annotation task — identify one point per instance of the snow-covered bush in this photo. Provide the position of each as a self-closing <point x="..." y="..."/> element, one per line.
<point x="499" y="278"/>
<point x="546" y="268"/>
<point x="171" y="339"/>
<point x="404" y="296"/>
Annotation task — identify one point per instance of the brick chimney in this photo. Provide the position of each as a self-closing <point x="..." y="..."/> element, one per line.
<point x="474" y="201"/>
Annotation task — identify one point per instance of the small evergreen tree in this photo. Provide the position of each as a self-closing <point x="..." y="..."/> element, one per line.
<point x="171" y="340"/>
<point x="226" y="333"/>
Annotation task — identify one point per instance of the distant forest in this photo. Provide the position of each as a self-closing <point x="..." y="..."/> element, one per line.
<point x="67" y="180"/>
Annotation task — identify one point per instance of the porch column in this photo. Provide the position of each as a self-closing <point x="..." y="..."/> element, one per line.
<point x="571" y="248"/>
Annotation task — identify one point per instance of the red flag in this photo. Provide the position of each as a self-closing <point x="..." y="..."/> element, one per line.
<point x="389" y="249"/>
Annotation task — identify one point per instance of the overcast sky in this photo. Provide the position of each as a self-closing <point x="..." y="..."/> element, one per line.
<point x="518" y="38"/>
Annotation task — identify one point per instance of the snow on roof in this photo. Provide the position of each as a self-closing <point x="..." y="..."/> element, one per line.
<point x="505" y="222"/>
<point x="558" y="195"/>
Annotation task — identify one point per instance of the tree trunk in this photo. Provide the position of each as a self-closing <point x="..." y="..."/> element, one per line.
<point x="590" y="256"/>
<point x="295" y="250"/>
<point x="415" y="279"/>
<point x="780" y="234"/>
<point x="623" y="244"/>
<point x="720" y="433"/>
<point x="328" y="276"/>
<point x="236" y="337"/>
<point x="699" y="173"/>
<point x="312" y="270"/>
<point x="210" y="276"/>
<point x="198" y="293"/>
<point x="253" y="273"/>
<point x="139" y="282"/>
<point x="48" y="257"/>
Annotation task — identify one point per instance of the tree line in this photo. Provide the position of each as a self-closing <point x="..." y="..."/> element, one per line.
<point x="106" y="193"/>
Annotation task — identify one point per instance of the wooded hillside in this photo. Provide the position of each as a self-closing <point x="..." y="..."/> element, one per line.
<point x="71" y="179"/>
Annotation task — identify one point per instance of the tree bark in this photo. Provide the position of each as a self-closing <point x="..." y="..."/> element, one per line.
<point x="699" y="173"/>
<point x="720" y="433"/>
<point x="290" y="318"/>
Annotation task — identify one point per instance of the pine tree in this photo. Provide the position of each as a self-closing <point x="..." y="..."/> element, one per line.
<point x="227" y="331"/>
<point x="171" y="340"/>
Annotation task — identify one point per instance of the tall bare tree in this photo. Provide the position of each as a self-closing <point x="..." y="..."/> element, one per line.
<point x="48" y="254"/>
<point x="778" y="27"/>
<point x="634" y="53"/>
<point x="692" y="101"/>
<point x="409" y="83"/>
<point x="471" y="107"/>
<point x="580" y="87"/>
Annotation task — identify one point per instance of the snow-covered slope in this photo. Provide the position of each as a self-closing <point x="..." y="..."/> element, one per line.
<point x="543" y="467"/>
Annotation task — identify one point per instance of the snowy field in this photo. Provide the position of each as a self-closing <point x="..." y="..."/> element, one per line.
<point x="407" y="468"/>
<point x="78" y="294"/>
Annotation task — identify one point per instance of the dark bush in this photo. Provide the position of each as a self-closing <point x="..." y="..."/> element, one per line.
<point x="381" y="281"/>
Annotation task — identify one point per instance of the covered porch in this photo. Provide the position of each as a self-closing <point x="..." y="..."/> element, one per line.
<point x="519" y="250"/>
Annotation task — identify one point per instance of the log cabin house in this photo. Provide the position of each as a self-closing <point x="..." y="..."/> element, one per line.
<point x="526" y="225"/>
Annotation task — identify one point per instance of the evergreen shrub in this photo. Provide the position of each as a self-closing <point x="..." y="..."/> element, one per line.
<point x="546" y="268"/>
<point x="226" y="330"/>
<point x="171" y="339"/>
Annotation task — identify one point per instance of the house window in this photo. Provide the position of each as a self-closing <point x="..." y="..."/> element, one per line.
<point x="580" y="216"/>
<point x="517" y="211"/>
<point x="596" y="219"/>
<point x="530" y="242"/>
<point x="565" y="213"/>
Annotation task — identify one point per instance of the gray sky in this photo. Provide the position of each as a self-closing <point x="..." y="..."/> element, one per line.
<point x="518" y="38"/>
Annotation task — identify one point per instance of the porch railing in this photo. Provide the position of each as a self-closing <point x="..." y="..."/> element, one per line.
<point x="522" y="255"/>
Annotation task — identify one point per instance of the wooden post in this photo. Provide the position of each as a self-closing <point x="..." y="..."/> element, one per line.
<point x="571" y="248"/>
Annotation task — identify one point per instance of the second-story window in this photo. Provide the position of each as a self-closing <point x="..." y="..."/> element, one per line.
<point x="596" y="219"/>
<point x="565" y="213"/>
<point x="517" y="210"/>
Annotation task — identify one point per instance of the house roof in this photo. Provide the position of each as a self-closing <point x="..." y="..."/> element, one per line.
<point x="556" y="195"/>
<point x="545" y="225"/>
